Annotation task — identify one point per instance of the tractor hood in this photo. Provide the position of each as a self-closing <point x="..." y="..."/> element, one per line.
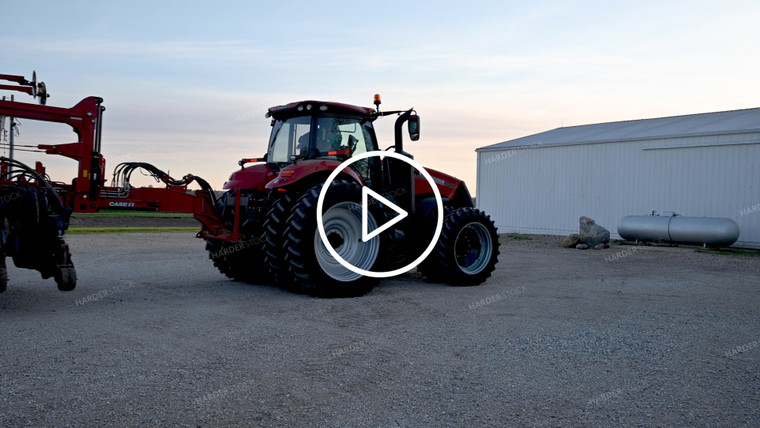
<point x="449" y="186"/>
<point x="251" y="177"/>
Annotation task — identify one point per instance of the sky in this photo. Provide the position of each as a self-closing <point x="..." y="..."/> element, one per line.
<point x="186" y="84"/>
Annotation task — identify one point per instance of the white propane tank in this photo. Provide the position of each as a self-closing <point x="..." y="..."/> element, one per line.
<point x="708" y="231"/>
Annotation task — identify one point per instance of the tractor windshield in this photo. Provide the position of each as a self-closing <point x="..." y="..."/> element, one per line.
<point x="308" y="137"/>
<point x="342" y="136"/>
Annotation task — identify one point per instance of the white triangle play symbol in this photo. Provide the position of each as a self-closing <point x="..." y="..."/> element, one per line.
<point x="365" y="207"/>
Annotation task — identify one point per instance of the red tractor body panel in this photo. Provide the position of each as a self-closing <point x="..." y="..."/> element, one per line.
<point x="262" y="178"/>
<point x="306" y="169"/>
<point x="446" y="184"/>
<point x="251" y="177"/>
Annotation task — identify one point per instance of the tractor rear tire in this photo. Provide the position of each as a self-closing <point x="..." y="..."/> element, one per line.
<point x="312" y="266"/>
<point x="274" y="246"/>
<point x="241" y="261"/>
<point x="467" y="250"/>
<point x="66" y="278"/>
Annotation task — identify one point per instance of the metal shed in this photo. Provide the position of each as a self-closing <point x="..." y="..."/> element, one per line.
<point x="700" y="165"/>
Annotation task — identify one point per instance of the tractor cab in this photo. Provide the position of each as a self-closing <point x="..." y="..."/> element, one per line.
<point x="320" y="137"/>
<point x="316" y="135"/>
<point x="275" y="202"/>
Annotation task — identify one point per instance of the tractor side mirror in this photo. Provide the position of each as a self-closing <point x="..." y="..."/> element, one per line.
<point x="414" y="127"/>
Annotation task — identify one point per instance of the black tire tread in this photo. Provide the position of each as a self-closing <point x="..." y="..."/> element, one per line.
<point x="3" y="279"/>
<point x="441" y="263"/>
<point x="66" y="278"/>
<point x="428" y="268"/>
<point x="242" y="265"/>
<point x="299" y="236"/>
<point x="274" y="241"/>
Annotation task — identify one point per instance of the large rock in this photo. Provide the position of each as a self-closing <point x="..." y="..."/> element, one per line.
<point x="592" y="234"/>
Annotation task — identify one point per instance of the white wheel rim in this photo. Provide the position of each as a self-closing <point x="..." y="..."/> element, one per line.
<point x="473" y="248"/>
<point x="342" y="224"/>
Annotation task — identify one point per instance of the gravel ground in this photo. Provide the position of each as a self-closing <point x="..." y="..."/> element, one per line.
<point x="153" y="336"/>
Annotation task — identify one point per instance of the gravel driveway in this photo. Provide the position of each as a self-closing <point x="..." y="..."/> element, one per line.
<point x="154" y="336"/>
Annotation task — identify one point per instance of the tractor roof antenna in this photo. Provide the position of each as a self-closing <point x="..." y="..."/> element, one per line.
<point x="377" y="102"/>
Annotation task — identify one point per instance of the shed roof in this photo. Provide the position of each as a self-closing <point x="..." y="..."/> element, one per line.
<point x="724" y="122"/>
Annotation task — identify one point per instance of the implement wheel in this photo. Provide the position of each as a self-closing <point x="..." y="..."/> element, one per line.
<point x="3" y="279"/>
<point x="66" y="278"/>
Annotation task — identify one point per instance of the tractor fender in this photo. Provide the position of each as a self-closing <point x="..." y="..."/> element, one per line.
<point x="424" y="222"/>
<point x="311" y="170"/>
<point x="425" y="208"/>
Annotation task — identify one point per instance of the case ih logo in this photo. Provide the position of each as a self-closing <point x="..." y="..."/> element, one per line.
<point x="121" y="204"/>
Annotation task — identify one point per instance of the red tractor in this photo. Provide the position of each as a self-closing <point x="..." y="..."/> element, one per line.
<point x="271" y="208"/>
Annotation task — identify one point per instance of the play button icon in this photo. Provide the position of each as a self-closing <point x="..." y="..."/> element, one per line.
<point x="366" y="224"/>
<point x="366" y="193"/>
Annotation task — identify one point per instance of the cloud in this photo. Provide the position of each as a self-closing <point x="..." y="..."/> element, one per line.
<point x="190" y="88"/>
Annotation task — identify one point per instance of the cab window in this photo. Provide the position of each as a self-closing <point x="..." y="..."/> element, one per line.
<point x="349" y="136"/>
<point x="290" y="138"/>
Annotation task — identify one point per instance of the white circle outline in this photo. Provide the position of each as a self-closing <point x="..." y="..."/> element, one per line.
<point x="438" y="226"/>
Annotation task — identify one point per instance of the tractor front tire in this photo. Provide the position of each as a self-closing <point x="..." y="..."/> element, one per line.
<point x="311" y="264"/>
<point x="429" y="267"/>
<point x="467" y="250"/>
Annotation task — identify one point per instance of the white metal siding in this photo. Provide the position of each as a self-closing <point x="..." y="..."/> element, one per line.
<point x="546" y="189"/>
